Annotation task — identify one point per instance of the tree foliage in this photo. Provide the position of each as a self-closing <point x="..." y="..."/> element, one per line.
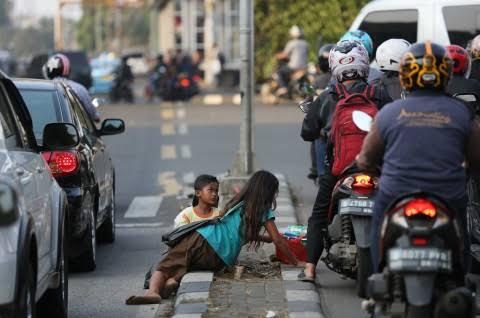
<point x="322" y="21"/>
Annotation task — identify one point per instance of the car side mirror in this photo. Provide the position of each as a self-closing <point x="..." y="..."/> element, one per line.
<point x="60" y="136"/>
<point x="112" y="127"/>
<point x="8" y="204"/>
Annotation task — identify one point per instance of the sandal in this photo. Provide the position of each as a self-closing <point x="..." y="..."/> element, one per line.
<point x="304" y="278"/>
<point x="143" y="300"/>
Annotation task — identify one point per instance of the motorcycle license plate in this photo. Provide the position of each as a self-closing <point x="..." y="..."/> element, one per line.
<point x="356" y="206"/>
<point x="419" y="260"/>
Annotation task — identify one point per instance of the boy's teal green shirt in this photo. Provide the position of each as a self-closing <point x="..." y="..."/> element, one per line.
<point x="227" y="236"/>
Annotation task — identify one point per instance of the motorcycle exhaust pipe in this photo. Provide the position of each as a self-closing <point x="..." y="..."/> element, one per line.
<point x="456" y="303"/>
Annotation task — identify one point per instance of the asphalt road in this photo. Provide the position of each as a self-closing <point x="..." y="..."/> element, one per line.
<point x="163" y="149"/>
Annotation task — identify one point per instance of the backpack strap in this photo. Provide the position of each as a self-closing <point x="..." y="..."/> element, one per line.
<point x="369" y="92"/>
<point x="341" y="91"/>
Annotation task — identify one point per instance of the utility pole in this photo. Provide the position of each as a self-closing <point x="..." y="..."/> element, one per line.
<point x="246" y="157"/>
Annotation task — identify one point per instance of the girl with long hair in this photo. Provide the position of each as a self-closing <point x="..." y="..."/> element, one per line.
<point x="215" y="246"/>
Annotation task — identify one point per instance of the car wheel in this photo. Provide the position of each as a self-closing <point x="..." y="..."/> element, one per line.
<point x="26" y="307"/>
<point x="86" y="262"/>
<point x="106" y="232"/>
<point x="55" y="301"/>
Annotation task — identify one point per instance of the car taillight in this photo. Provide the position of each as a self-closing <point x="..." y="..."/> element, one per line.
<point x="61" y="163"/>
<point x="420" y="207"/>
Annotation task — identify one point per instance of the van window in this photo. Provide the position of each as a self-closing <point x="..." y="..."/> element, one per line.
<point x="384" y="25"/>
<point x="463" y="23"/>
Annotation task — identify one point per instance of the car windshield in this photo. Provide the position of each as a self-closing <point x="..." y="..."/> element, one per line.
<point x="43" y="107"/>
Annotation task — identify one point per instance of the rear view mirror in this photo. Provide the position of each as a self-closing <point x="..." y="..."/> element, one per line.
<point x="60" y="136"/>
<point x="97" y="102"/>
<point x="8" y="204"/>
<point x="470" y="98"/>
<point x="112" y="127"/>
<point x="362" y="120"/>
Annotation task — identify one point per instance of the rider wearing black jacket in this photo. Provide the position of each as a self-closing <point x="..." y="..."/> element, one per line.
<point x="460" y="83"/>
<point x="317" y="123"/>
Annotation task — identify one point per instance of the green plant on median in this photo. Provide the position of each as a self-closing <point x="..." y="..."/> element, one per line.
<point x="321" y="21"/>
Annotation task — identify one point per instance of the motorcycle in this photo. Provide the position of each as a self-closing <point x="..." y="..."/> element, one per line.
<point x="421" y="252"/>
<point x="296" y="81"/>
<point x="347" y="239"/>
<point x="121" y="89"/>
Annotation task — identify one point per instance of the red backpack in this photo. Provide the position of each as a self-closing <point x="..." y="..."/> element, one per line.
<point x="346" y="137"/>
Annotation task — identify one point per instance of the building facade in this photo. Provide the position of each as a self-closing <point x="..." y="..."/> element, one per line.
<point x="205" y="25"/>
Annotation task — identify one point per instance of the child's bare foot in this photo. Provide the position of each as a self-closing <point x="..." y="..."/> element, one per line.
<point x="148" y="298"/>
<point x="170" y="287"/>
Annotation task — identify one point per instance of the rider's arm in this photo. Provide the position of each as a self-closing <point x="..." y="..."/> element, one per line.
<point x="372" y="150"/>
<point x="473" y="149"/>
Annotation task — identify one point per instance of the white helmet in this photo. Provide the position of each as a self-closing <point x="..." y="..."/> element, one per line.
<point x="349" y="60"/>
<point x="295" y="32"/>
<point x="390" y="53"/>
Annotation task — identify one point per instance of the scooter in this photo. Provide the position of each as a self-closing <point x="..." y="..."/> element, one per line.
<point x="421" y="260"/>
<point x="347" y="241"/>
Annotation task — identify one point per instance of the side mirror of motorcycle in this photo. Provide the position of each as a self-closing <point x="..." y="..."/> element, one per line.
<point x="362" y="120"/>
<point x="97" y="102"/>
<point x="469" y="98"/>
<point x="305" y="104"/>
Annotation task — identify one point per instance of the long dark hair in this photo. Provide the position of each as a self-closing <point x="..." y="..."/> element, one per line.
<point x="258" y="196"/>
<point x="201" y="182"/>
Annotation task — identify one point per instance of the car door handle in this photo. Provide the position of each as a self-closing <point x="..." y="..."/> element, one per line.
<point x="40" y="170"/>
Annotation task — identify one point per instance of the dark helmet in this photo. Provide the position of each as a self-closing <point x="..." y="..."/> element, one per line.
<point x="57" y="65"/>
<point x="425" y="66"/>
<point x="323" y="54"/>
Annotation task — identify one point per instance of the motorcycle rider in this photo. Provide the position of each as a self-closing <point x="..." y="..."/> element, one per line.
<point x="423" y="140"/>
<point x="475" y="55"/>
<point x="319" y="147"/>
<point x="317" y="122"/>
<point x="388" y="57"/>
<point x="366" y="40"/>
<point x="323" y="79"/>
<point x="57" y="67"/>
<point x="296" y="51"/>
<point x="460" y="83"/>
<point x="123" y="81"/>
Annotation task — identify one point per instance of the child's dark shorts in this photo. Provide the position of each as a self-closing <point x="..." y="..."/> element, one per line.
<point x="191" y="254"/>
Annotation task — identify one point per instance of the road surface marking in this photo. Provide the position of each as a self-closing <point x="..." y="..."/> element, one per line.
<point x="182" y="129"/>
<point x="237" y="99"/>
<point x="168" y="129"/>
<point x="181" y="113"/>
<point x="185" y="151"/>
<point x="167" y="114"/>
<point x="139" y="225"/>
<point x="213" y="99"/>
<point x="189" y="177"/>
<point x="144" y="207"/>
<point x="168" y="181"/>
<point x="168" y="152"/>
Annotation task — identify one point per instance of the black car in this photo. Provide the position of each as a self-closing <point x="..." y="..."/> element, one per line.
<point x="86" y="173"/>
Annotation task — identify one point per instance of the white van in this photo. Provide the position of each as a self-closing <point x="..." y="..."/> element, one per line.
<point x="441" y="21"/>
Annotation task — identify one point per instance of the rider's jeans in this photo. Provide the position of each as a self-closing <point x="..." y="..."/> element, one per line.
<point x="382" y="201"/>
<point x="321" y="152"/>
<point x="318" y="221"/>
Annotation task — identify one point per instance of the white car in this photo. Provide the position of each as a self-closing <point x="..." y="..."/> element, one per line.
<point x="441" y="21"/>
<point x="33" y="214"/>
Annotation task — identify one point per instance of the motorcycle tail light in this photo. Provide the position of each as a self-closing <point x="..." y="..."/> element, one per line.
<point x="419" y="241"/>
<point x="363" y="184"/>
<point x="420" y="208"/>
<point x="184" y="82"/>
<point x="61" y="163"/>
